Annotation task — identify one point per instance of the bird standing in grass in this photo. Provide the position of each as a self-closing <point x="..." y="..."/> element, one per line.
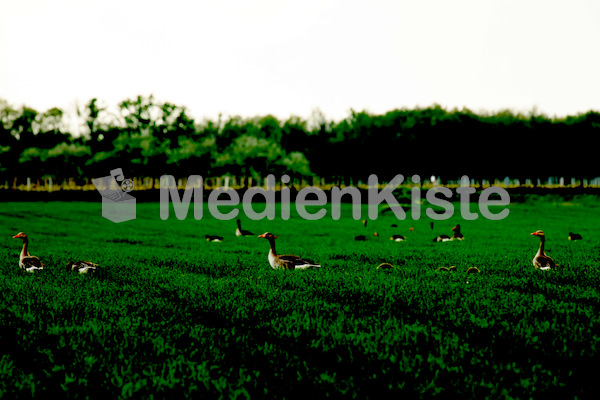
<point x="457" y="234"/>
<point x="361" y="238"/>
<point x="541" y="260"/>
<point x="241" y="232"/>
<point x="27" y="262"/>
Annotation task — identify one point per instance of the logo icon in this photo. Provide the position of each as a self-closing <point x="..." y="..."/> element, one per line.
<point x="117" y="204"/>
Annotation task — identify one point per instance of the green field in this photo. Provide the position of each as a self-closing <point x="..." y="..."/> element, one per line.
<point x="172" y="315"/>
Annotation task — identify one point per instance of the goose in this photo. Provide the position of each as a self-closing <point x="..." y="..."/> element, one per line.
<point x="27" y="262"/>
<point x="242" y="232"/>
<point x="574" y="236"/>
<point x="213" y="238"/>
<point x="289" y="261"/>
<point x="361" y="238"/>
<point x="541" y="260"/>
<point x="457" y="235"/>
<point x="84" y="267"/>
<point x="442" y="238"/>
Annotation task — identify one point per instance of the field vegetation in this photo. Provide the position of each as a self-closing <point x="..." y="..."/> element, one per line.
<point x="173" y="315"/>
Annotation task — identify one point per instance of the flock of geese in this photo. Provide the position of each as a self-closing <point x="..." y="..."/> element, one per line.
<point x="541" y="260"/>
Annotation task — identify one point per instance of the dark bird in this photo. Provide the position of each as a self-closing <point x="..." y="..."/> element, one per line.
<point x="442" y="238"/>
<point x="213" y="238"/>
<point x="574" y="236"/>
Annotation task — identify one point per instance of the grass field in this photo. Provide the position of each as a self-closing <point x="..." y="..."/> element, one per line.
<point x="172" y="315"/>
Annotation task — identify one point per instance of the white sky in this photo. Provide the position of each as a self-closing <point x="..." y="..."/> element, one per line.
<point x="287" y="57"/>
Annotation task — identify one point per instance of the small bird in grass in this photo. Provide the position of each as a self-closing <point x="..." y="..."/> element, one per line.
<point x="27" y="262"/>
<point x="541" y="260"/>
<point x="83" y="267"/>
<point x="456" y="236"/>
<point x="362" y="238"/>
<point x="574" y="236"/>
<point x="442" y="238"/>
<point x="398" y="238"/>
<point x="213" y="238"/>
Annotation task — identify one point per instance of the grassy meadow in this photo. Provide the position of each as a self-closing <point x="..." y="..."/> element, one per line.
<point x="172" y="315"/>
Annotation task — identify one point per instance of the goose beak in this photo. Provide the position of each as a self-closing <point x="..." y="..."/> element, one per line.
<point x="262" y="236"/>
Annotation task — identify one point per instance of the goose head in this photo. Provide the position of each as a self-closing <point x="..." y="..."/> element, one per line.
<point x="20" y="235"/>
<point x="267" y="235"/>
<point x="538" y="233"/>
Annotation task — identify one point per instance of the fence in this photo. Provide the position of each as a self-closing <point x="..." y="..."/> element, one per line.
<point x="148" y="183"/>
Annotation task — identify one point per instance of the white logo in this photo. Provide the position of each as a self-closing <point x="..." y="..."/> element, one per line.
<point x="117" y="204"/>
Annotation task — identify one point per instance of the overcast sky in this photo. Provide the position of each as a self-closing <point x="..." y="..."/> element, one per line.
<point x="287" y="57"/>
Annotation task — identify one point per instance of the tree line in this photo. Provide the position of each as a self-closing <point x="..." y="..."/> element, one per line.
<point x="148" y="138"/>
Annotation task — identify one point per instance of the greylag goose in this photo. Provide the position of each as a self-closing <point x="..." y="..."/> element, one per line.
<point x="457" y="235"/>
<point x="442" y="238"/>
<point x="213" y="238"/>
<point x="27" y="262"/>
<point x="398" y="238"/>
<point x="288" y="261"/>
<point x="242" y="232"/>
<point x="541" y="260"/>
<point x="361" y="238"/>
<point x="83" y="267"/>
<point x="574" y="236"/>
